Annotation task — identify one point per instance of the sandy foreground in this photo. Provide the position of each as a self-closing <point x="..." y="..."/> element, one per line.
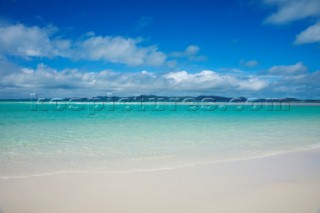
<point x="283" y="183"/>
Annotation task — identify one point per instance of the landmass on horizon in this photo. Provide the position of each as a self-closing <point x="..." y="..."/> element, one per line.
<point x="152" y="98"/>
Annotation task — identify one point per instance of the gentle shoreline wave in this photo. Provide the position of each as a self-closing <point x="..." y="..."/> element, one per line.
<point x="60" y="172"/>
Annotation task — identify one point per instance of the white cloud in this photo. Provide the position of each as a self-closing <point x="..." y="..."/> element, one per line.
<point x="72" y="82"/>
<point x="250" y="63"/>
<point x="292" y="10"/>
<point x="24" y="41"/>
<point x="281" y="81"/>
<point x="191" y="52"/>
<point x="172" y="63"/>
<point x="207" y="79"/>
<point x="304" y="85"/>
<point x="19" y="40"/>
<point x="310" y="35"/>
<point x="118" y="50"/>
<point x="296" y="69"/>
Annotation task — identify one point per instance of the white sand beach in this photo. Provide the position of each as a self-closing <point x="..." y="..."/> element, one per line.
<point x="155" y="106"/>
<point x="287" y="182"/>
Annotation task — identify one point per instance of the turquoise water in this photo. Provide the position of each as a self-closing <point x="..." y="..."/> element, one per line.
<point x="35" y="142"/>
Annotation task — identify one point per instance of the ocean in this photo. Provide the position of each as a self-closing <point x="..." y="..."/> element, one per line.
<point x="47" y="139"/>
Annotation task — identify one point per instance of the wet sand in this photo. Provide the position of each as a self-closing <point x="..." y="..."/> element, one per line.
<point x="283" y="183"/>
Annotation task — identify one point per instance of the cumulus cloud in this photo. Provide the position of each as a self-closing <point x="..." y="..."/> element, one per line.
<point x="19" y="40"/>
<point x="310" y="35"/>
<point x="304" y="85"/>
<point x="24" y="41"/>
<point x="71" y="82"/>
<point x="207" y="79"/>
<point x="250" y="63"/>
<point x="118" y="50"/>
<point x="292" y="81"/>
<point x="296" y="69"/>
<point x="280" y="81"/>
<point x="292" y="10"/>
<point x="191" y="52"/>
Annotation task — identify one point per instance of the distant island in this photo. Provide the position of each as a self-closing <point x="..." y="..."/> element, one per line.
<point x="151" y="98"/>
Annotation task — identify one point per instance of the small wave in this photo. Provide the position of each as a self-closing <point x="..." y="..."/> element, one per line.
<point x="313" y="147"/>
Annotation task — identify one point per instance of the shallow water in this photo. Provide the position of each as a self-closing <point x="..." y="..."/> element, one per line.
<point x="126" y="138"/>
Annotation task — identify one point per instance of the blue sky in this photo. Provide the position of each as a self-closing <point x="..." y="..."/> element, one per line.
<point x="262" y="48"/>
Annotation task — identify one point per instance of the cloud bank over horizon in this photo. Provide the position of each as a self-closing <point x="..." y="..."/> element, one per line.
<point x="277" y="82"/>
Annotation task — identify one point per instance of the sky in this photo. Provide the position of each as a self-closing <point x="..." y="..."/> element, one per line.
<point x="251" y="48"/>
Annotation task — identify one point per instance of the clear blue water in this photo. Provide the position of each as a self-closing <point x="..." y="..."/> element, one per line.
<point x="40" y="142"/>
